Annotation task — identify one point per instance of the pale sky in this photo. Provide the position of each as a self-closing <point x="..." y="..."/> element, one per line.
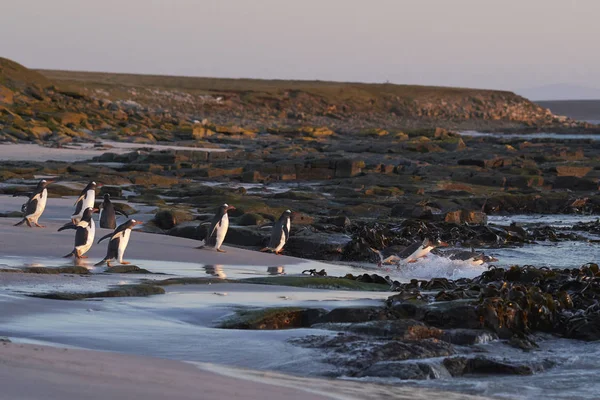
<point x="501" y="44"/>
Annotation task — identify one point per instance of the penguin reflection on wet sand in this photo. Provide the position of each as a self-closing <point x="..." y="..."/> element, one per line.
<point x="35" y="206"/>
<point x="84" y="233"/>
<point x="280" y="233"/>
<point x="218" y="229"/>
<point x="86" y="200"/>
<point x="119" y="239"/>
<point x="108" y="213"/>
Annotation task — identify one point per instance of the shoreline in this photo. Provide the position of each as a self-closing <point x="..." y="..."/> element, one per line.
<point x="62" y="373"/>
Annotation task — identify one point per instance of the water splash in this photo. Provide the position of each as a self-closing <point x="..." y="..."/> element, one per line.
<point x="434" y="266"/>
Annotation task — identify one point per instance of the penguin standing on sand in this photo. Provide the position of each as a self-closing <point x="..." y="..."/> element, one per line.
<point x="108" y="213"/>
<point x="35" y="206"/>
<point x="280" y="233"/>
<point x="85" y="230"/>
<point x="218" y="228"/>
<point x="118" y="242"/>
<point x="85" y="200"/>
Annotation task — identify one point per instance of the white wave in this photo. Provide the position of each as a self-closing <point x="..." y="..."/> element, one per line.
<point x="434" y="266"/>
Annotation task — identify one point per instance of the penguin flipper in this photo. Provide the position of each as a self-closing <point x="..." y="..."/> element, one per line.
<point x="70" y="254"/>
<point x="101" y="262"/>
<point x="69" y="225"/>
<point x="104" y="237"/>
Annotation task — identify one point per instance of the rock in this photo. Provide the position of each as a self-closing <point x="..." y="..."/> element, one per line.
<point x="483" y="365"/>
<point x="575" y="183"/>
<point x="404" y="370"/>
<point x="571" y="170"/>
<point x="348" y="168"/>
<point x="251" y="219"/>
<point x="317" y="245"/>
<point x="273" y="318"/>
<point x="73" y="118"/>
<point x="168" y="218"/>
<point x="113" y="191"/>
<point x="404" y="329"/>
<point x="341" y="221"/>
<point x="246" y="236"/>
<point x="127" y="269"/>
<point x="466" y="217"/>
<point x="352" y="314"/>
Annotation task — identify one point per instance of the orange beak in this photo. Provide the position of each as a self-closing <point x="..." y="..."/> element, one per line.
<point x="444" y="244"/>
<point x="230" y="208"/>
<point x="137" y="222"/>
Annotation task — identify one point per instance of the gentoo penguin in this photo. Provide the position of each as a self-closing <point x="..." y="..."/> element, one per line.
<point x="218" y="228"/>
<point x="472" y="256"/>
<point x="413" y="252"/>
<point x="84" y="234"/>
<point x="85" y="200"/>
<point x="280" y="233"/>
<point x="108" y="217"/>
<point x="118" y="242"/>
<point x="34" y="207"/>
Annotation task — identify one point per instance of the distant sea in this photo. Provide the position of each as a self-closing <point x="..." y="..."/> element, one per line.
<point x="581" y="110"/>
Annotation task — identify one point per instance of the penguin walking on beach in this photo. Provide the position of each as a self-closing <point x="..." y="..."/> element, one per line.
<point x="218" y="228"/>
<point x="119" y="239"/>
<point x="35" y="206"/>
<point x="280" y="233"/>
<point x="414" y="252"/>
<point x="85" y="230"/>
<point x="86" y="200"/>
<point x="108" y="213"/>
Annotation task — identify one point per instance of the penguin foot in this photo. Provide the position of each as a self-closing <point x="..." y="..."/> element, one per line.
<point x="108" y="264"/>
<point x="39" y="226"/>
<point x="125" y="262"/>
<point x="278" y="253"/>
<point x="221" y="251"/>
<point x="412" y="261"/>
<point x="82" y="257"/>
<point x="28" y="223"/>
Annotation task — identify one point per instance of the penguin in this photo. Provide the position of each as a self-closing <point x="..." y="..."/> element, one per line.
<point x="280" y="233"/>
<point x="413" y="252"/>
<point x="218" y="228"/>
<point x="118" y="242"/>
<point x="472" y="256"/>
<point x="84" y="234"/>
<point x="85" y="200"/>
<point x="108" y="218"/>
<point x="35" y="206"/>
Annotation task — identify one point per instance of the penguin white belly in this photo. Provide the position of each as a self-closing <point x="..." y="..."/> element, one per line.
<point x="89" y="199"/>
<point x="476" y="262"/>
<point x="84" y="248"/>
<point x="419" y="253"/>
<point x="123" y="244"/>
<point x="222" y="231"/>
<point x="41" y="206"/>
<point x="282" y="241"/>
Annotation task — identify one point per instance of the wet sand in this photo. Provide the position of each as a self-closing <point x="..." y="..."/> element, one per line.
<point x="32" y="371"/>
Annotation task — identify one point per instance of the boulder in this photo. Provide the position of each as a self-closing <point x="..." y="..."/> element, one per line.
<point x="466" y="217"/>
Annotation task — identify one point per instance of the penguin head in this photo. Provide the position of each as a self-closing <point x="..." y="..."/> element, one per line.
<point x="226" y="207"/>
<point x="133" y="222"/>
<point x="44" y="182"/>
<point x="286" y="214"/>
<point x="87" y="214"/>
<point x="106" y="197"/>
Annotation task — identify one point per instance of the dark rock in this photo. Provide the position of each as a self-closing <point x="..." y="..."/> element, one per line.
<point x="273" y="318"/>
<point x="113" y="191"/>
<point x="351" y="314"/>
<point x="251" y="219"/>
<point x="127" y="269"/>
<point x="466" y="217"/>
<point x="404" y="370"/>
<point x="404" y="329"/>
<point x="575" y="183"/>
<point x="317" y="245"/>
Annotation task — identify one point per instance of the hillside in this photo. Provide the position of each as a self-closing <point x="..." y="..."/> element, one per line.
<point x="67" y="105"/>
